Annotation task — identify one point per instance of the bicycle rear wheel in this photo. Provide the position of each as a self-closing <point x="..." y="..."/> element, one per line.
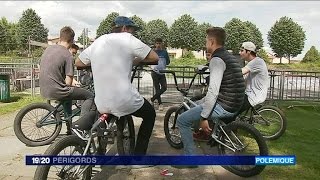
<point x="125" y="136"/>
<point x="171" y="130"/>
<point x="67" y="146"/>
<point x="270" y="121"/>
<point x="28" y="129"/>
<point x="247" y="141"/>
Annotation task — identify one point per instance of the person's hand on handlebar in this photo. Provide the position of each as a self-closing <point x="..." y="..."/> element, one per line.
<point x="204" y="125"/>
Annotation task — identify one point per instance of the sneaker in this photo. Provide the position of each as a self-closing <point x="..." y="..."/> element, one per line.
<point x="160" y="108"/>
<point x="201" y="136"/>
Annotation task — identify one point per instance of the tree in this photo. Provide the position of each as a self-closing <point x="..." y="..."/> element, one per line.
<point x="157" y="29"/>
<point x="30" y="25"/>
<point x="81" y="39"/>
<point x="312" y="55"/>
<point x="286" y="38"/>
<point x="10" y="42"/>
<point x="202" y="35"/>
<point x="141" y="34"/>
<point x="105" y="25"/>
<point x="237" y="33"/>
<point x="3" y="33"/>
<point x="184" y="33"/>
<point x="256" y="36"/>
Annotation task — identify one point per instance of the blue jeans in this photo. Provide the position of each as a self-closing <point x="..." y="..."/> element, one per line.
<point x="186" y="119"/>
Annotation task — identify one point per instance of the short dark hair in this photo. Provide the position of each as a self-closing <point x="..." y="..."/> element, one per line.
<point x="158" y="40"/>
<point x="74" y="46"/>
<point x="67" y="34"/>
<point x="115" y="28"/>
<point x="218" y="33"/>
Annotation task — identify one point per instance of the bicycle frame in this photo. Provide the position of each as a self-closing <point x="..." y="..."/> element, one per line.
<point x="46" y="121"/>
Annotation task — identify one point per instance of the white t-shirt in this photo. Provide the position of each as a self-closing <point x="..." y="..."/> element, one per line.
<point x="111" y="57"/>
<point x="257" y="81"/>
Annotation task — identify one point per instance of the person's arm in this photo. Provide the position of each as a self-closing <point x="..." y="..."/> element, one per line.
<point x="245" y="70"/>
<point x="142" y="52"/>
<point x="217" y="68"/>
<point x="83" y="60"/>
<point x="69" y="70"/>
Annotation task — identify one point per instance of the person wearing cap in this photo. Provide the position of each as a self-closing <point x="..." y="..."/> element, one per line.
<point x="255" y="74"/>
<point x="111" y="57"/>
<point x="159" y="79"/>
<point x="225" y="92"/>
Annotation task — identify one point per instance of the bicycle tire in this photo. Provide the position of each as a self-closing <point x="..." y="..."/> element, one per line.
<point x="256" y="135"/>
<point x="282" y="118"/>
<point x="42" y="171"/>
<point x="172" y="111"/>
<point x="125" y="140"/>
<point x="20" y="117"/>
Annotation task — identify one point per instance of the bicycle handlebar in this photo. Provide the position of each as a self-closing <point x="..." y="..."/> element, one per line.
<point x="185" y="91"/>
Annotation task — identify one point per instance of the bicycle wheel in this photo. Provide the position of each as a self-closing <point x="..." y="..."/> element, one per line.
<point x="246" y="140"/>
<point x="270" y="121"/>
<point x="125" y="136"/>
<point x="67" y="146"/>
<point x="32" y="134"/>
<point x="171" y="130"/>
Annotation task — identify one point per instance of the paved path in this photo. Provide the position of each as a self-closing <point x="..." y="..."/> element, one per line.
<point x="12" y="154"/>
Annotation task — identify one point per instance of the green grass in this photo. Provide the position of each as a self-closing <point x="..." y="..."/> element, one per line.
<point x="18" y="101"/>
<point x="302" y="138"/>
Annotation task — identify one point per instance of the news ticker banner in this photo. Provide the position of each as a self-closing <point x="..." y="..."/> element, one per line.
<point x="161" y="160"/>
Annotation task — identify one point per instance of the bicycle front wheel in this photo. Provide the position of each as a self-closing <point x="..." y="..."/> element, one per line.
<point x="270" y="121"/>
<point x="67" y="146"/>
<point x="240" y="138"/>
<point x="30" y="127"/>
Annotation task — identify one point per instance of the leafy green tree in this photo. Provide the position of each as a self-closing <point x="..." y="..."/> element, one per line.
<point x="312" y="55"/>
<point x="3" y="33"/>
<point x="141" y="34"/>
<point x="202" y="35"/>
<point x="81" y="39"/>
<point x="30" y="25"/>
<point x="237" y="33"/>
<point x="256" y="36"/>
<point x="286" y="38"/>
<point x="9" y="43"/>
<point x="184" y="33"/>
<point x="105" y="25"/>
<point x="157" y="29"/>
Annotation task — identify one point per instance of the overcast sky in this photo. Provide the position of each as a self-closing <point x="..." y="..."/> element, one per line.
<point x="85" y="14"/>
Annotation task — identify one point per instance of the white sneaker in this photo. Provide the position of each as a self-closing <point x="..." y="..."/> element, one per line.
<point x="160" y="108"/>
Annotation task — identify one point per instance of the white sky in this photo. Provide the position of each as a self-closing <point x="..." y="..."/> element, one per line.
<point x="85" y="14"/>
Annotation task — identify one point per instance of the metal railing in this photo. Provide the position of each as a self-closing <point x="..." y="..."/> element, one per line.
<point x="284" y="85"/>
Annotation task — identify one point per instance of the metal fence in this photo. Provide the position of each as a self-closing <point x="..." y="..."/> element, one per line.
<point x="284" y="85"/>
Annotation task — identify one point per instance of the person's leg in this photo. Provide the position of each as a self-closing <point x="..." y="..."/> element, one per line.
<point x="82" y="94"/>
<point x="219" y="112"/>
<point x="67" y="108"/>
<point x="163" y="83"/>
<point x="184" y="122"/>
<point x="156" y="85"/>
<point x="148" y="115"/>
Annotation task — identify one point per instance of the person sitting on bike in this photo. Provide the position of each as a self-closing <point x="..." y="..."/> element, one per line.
<point x="225" y="92"/>
<point x="256" y="76"/>
<point x="56" y="74"/>
<point x="111" y="57"/>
